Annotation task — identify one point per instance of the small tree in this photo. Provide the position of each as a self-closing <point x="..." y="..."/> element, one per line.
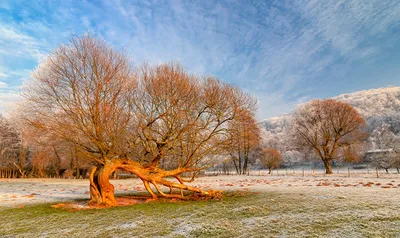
<point x="328" y="127"/>
<point x="41" y="161"/>
<point x="270" y="158"/>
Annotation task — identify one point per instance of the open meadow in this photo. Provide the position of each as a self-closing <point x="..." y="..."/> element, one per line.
<point x="252" y="206"/>
<point x="208" y="118"/>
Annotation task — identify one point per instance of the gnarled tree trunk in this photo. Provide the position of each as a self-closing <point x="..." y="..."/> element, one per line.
<point x="101" y="190"/>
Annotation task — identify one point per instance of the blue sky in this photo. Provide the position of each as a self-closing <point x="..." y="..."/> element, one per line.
<point x="283" y="52"/>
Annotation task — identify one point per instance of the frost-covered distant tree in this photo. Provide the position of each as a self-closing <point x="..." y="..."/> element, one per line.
<point x="383" y="138"/>
<point x="292" y="157"/>
<point x="376" y="106"/>
<point x="271" y="140"/>
<point x="270" y="159"/>
<point x="385" y="147"/>
<point x="328" y="127"/>
<point x="393" y="120"/>
<point x="10" y="144"/>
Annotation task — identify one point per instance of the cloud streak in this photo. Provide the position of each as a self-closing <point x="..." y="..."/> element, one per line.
<point x="283" y="52"/>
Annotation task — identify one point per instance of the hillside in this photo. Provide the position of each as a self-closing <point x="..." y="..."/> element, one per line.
<point x="374" y="102"/>
<point x="377" y="106"/>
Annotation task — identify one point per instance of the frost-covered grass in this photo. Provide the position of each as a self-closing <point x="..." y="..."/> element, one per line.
<point x="342" y="172"/>
<point x="18" y="192"/>
<point x="275" y="212"/>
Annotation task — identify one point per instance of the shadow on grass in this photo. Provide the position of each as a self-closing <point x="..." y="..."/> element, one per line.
<point x="131" y="199"/>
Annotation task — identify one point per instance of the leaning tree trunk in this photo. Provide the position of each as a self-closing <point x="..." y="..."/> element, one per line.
<point x="157" y="177"/>
<point x="101" y="190"/>
<point x="328" y="166"/>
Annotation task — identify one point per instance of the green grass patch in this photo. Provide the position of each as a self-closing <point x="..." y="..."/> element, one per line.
<point x="246" y="215"/>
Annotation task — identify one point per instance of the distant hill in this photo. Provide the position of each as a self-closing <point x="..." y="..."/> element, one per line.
<point x="374" y="102"/>
<point x="377" y="106"/>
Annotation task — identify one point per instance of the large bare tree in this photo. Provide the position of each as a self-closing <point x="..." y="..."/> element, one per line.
<point x="153" y="121"/>
<point x="329" y="127"/>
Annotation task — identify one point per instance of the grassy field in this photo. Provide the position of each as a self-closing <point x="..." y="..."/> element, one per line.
<point x="297" y="213"/>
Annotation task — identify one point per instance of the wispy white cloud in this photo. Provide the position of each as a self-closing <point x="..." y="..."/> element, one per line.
<point x="4" y="5"/>
<point x="18" y="44"/>
<point x="350" y="26"/>
<point x="3" y="75"/>
<point x="8" y="101"/>
<point x="282" y="51"/>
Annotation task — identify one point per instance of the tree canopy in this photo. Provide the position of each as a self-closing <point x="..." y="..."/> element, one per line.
<point x="154" y="121"/>
<point x="329" y="127"/>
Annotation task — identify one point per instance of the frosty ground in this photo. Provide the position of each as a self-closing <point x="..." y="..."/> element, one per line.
<point x="257" y="206"/>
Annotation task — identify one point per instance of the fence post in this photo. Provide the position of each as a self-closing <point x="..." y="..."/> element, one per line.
<point x="348" y="171"/>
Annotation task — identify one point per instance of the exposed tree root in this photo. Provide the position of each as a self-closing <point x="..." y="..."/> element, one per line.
<point x="157" y="177"/>
<point x="102" y="191"/>
<point x="148" y="188"/>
